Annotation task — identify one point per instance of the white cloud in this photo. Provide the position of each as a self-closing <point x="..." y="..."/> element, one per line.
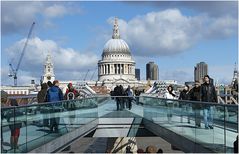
<point x="222" y="27"/>
<point x="170" y="32"/>
<point x="59" y="10"/>
<point x="65" y="60"/>
<point x="17" y="16"/>
<point x="212" y="8"/>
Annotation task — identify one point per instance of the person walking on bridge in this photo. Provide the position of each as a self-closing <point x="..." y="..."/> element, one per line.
<point x="208" y="94"/>
<point x="195" y="95"/>
<point x="54" y="94"/>
<point x="185" y="106"/>
<point x="129" y="93"/>
<point x="117" y="93"/>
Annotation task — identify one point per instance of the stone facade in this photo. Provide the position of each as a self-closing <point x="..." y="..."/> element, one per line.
<point x="117" y="62"/>
<point x="48" y="70"/>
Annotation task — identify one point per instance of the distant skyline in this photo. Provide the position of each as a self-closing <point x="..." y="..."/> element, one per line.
<point x="175" y="35"/>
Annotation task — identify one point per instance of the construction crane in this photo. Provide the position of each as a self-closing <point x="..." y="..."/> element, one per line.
<point x="13" y="72"/>
<point x="93" y="75"/>
<point x="86" y="74"/>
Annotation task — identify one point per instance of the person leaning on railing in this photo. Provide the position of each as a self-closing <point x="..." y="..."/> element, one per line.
<point x="208" y="94"/>
<point x="170" y="94"/>
<point x="184" y="95"/>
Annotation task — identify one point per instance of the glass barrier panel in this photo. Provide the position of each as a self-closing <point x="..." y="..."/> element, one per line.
<point x="212" y="125"/>
<point x="231" y="124"/>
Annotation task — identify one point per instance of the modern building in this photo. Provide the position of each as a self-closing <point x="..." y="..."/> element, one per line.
<point x="152" y="71"/>
<point x="48" y="70"/>
<point x="137" y="73"/>
<point x="200" y="70"/>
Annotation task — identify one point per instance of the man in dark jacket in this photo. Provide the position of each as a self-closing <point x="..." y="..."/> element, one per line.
<point x="196" y="96"/>
<point x="41" y="96"/>
<point x="185" y="106"/>
<point x="54" y="95"/>
<point x="208" y="94"/>
<point x="117" y="94"/>
<point x="122" y="99"/>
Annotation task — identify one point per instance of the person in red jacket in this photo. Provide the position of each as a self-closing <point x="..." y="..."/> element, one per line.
<point x="71" y="92"/>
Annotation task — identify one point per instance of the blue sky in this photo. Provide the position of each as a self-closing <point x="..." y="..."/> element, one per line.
<point x="175" y="35"/>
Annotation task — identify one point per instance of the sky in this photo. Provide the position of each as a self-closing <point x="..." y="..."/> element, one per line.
<point x="176" y="35"/>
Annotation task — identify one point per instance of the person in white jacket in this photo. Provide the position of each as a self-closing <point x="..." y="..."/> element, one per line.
<point x="170" y="94"/>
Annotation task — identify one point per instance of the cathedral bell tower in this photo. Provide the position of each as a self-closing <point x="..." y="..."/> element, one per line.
<point x="48" y="70"/>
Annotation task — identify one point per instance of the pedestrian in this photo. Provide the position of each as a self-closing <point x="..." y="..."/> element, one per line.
<point x="123" y="99"/>
<point x="129" y="93"/>
<point x="128" y="149"/>
<point x="185" y="106"/>
<point x="71" y="93"/>
<point x="49" y="83"/>
<point x="14" y="124"/>
<point x="208" y="94"/>
<point x="54" y="95"/>
<point x="137" y="93"/>
<point x="235" y="145"/>
<point x="4" y="97"/>
<point x="151" y="149"/>
<point x="117" y="98"/>
<point x="160" y="150"/>
<point x="41" y="98"/>
<point x="140" y="151"/>
<point x="195" y="95"/>
<point x="170" y="94"/>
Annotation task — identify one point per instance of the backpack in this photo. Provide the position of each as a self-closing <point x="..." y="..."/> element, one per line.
<point x="70" y="95"/>
<point x="53" y="95"/>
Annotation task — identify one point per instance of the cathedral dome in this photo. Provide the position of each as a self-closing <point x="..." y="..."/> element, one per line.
<point x="116" y="46"/>
<point x="117" y="62"/>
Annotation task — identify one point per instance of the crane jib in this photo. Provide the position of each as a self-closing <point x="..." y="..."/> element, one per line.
<point x="14" y="71"/>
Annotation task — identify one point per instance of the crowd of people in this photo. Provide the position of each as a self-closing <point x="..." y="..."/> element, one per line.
<point x="204" y="93"/>
<point x="123" y="97"/>
<point x="50" y="92"/>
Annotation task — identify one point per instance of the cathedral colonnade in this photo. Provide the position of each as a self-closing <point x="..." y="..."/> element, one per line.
<point x="116" y="68"/>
